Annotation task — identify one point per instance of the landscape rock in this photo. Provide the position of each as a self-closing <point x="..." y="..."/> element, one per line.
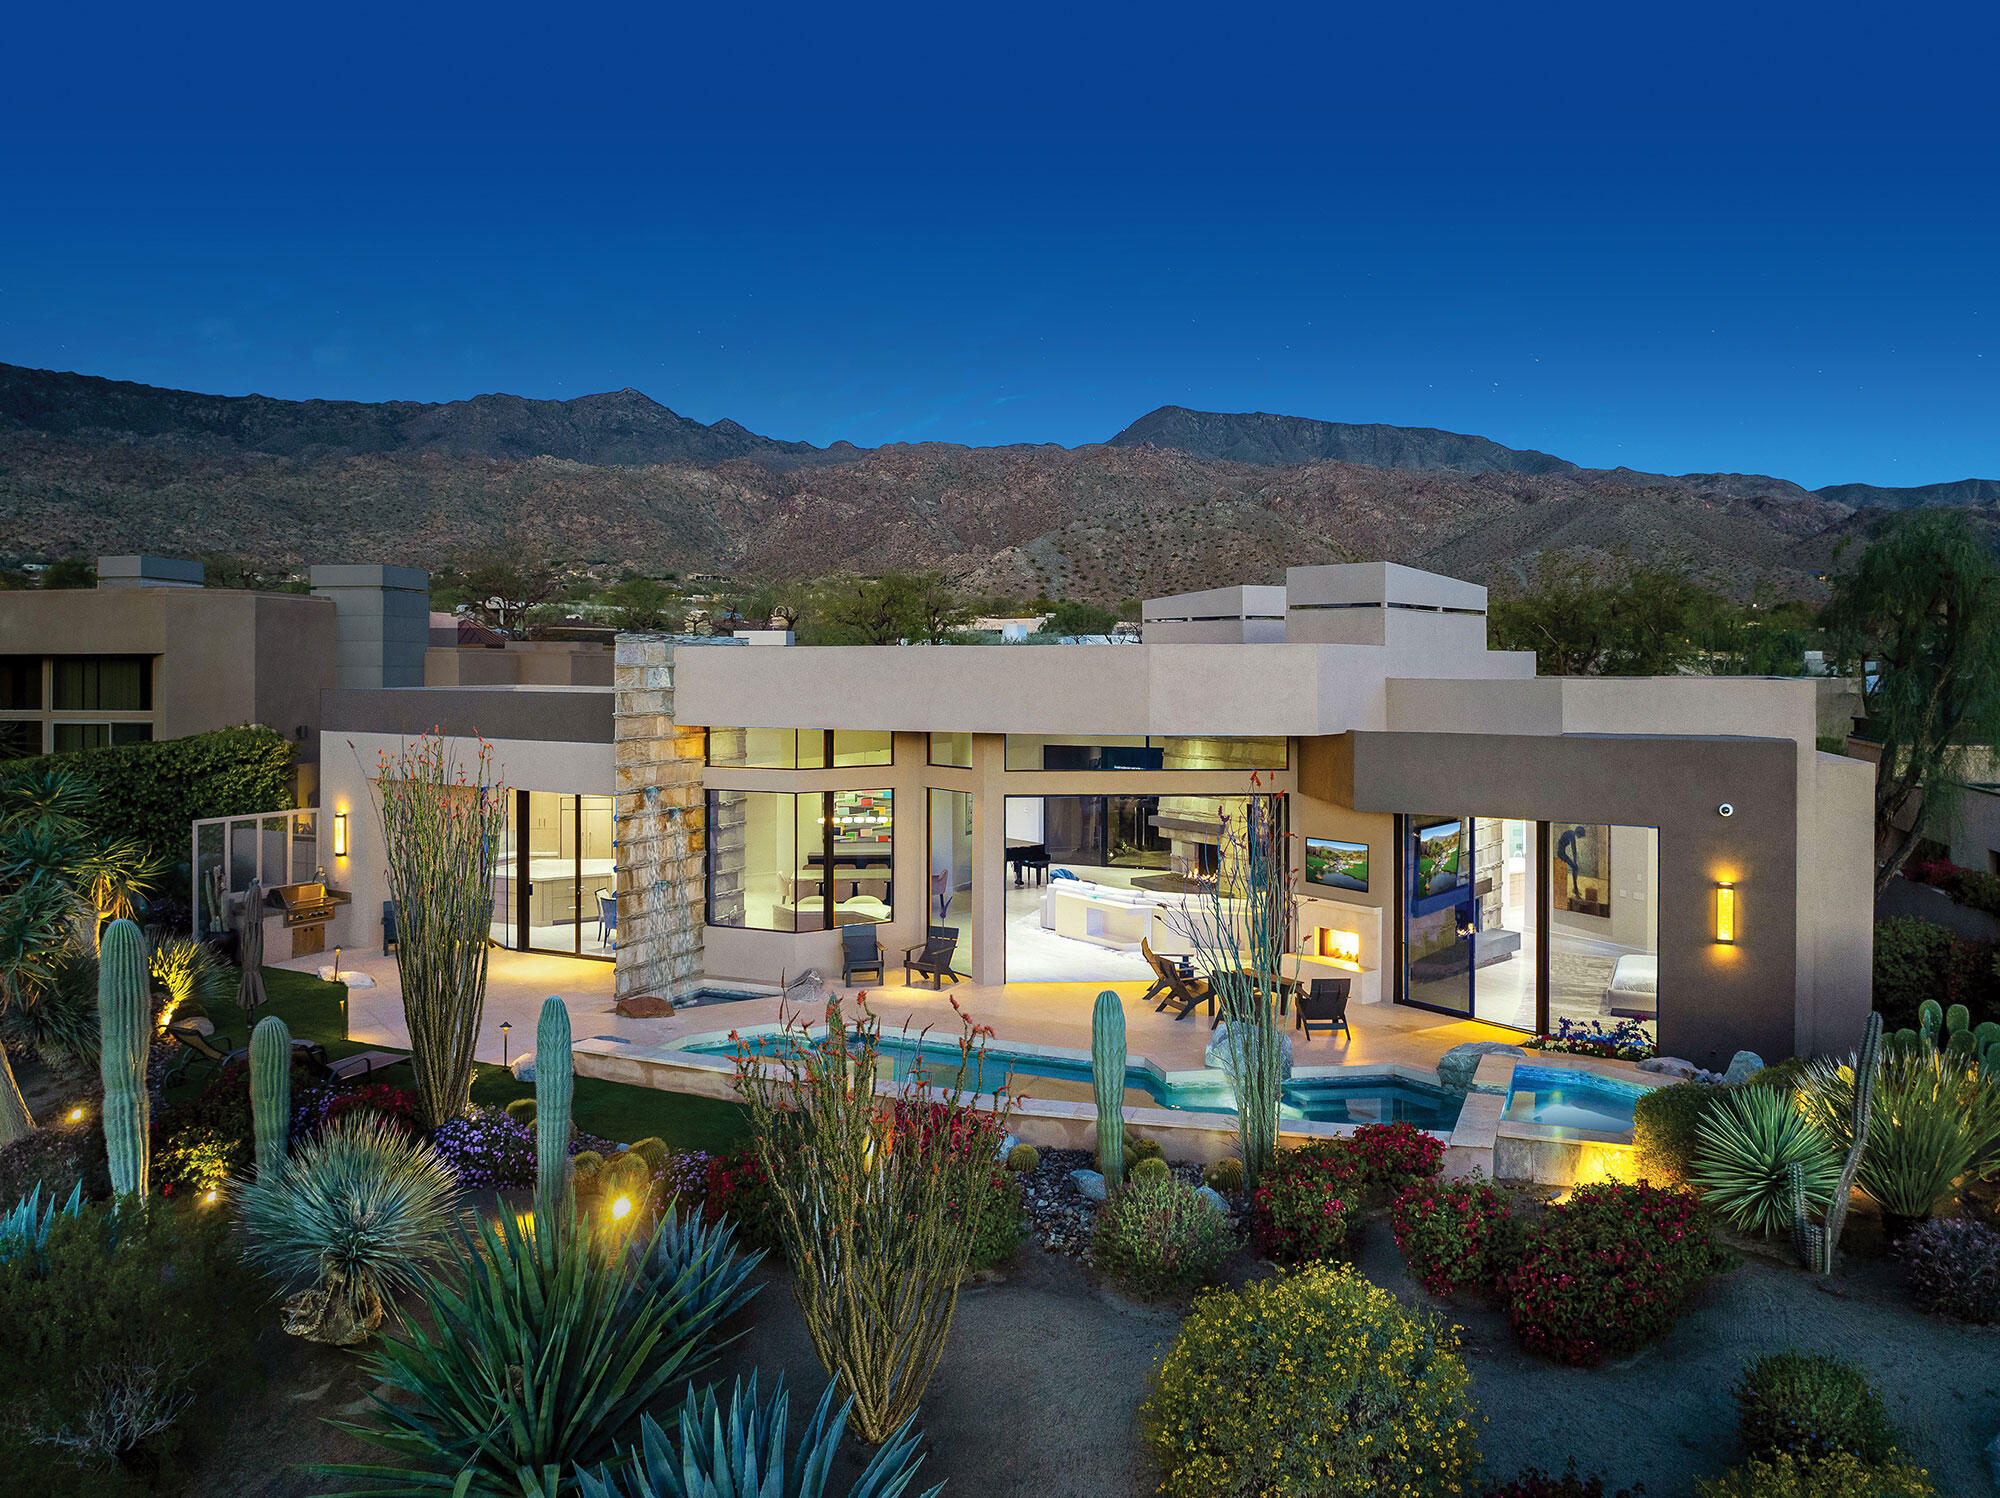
<point x="1679" y="1070"/>
<point x="1214" y="1198"/>
<point x="1457" y="1065"/>
<point x="643" y="1006"/>
<point x="1741" y="1066"/>
<point x="1216" y="1053"/>
<point x="1007" y="1146"/>
<point x="524" y="1069"/>
<point x="1089" y="1184"/>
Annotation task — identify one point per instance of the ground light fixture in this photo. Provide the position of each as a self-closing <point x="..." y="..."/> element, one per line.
<point x="505" y="1026"/>
<point x="76" y="1114"/>
<point x="621" y="1208"/>
<point x="340" y="834"/>
<point x="1725" y="913"/>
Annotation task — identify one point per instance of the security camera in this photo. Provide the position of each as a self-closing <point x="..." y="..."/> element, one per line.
<point x="1725" y="810"/>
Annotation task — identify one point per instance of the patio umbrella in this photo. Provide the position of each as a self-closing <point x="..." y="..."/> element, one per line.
<point x="250" y="986"/>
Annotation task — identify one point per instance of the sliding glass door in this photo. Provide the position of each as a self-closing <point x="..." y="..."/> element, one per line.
<point x="555" y="880"/>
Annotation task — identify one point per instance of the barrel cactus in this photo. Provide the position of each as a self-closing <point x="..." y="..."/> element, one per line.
<point x="125" y="1027"/>
<point x="555" y="1084"/>
<point x="271" y="1092"/>
<point x="1107" y="1076"/>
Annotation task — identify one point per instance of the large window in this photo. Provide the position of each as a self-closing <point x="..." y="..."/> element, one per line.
<point x="950" y="894"/>
<point x="953" y="750"/>
<point x="798" y="748"/>
<point x="99" y="735"/>
<point x="1142" y="752"/>
<point x="104" y="683"/>
<point x="784" y="862"/>
<point x="20" y="738"/>
<point x="21" y="682"/>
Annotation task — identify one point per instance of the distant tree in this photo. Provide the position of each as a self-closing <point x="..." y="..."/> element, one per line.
<point x="1917" y="614"/>
<point x="70" y="572"/>
<point x="1074" y="617"/>
<point x="1584" y="616"/>
<point x="643" y="603"/>
<point x="502" y="587"/>
<point x="888" y="610"/>
<point x="1766" y="637"/>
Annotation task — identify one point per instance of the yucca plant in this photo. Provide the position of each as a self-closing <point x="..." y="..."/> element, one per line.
<point x="702" y="1257"/>
<point x="185" y="969"/>
<point x="1936" y="1121"/>
<point x="25" y="1230"/>
<point x="744" y="1456"/>
<point x="353" y="1218"/>
<point x="1745" y="1147"/>
<point x="545" y="1346"/>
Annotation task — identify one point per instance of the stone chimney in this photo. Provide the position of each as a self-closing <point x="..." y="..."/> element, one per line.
<point x="382" y="623"/>
<point x="147" y="572"/>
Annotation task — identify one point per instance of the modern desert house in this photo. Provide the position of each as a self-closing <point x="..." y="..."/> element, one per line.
<point x="1466" y="836"/>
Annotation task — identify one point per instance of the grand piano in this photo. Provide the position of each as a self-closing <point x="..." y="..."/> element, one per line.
<point x="1025" y="855"/>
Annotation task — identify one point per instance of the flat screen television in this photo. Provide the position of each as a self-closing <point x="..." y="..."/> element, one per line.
<point x="1337" y="865"/>
<point x="1443" y="862"/>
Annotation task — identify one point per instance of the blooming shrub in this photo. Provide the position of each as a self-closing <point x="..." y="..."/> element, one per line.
<point x="1810" y="1406"/>
<point x="1311" y="1385"/>
<point x="1836" y="1477"/>
<point x="487" y="1150"/>
<point x="199" y="1157"/>
<point x="1157" y="1237"/>
<point x="1608" y="1271"/>
<point x="321" y="1106"/>
<point x="1954" y="1268"/>
<point x="1533" y="1482"/>
<point x="1388" y="1158"/>
<point x="1625" y="1041"/>
<point x="738" y="1188"/>
<point x="683" y="1178"/>
<point x="1307" y="1204"/>
<point x="1455" y="1234"/>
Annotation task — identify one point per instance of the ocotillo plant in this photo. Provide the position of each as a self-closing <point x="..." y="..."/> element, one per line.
<point x="1816" y="1241"/>
<point x="555" y="1085"/>
<point x="441" y="829"/>
<point x="125" y="1029"/>
<point x="1107" y="1076"/>
<point x="271" y="1093"/>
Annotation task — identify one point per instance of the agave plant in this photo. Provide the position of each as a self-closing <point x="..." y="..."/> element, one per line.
<point x="354" y="1217"/>
<point x="25" y="1230"/>
<point x="1936" y="1122"/>
<point x="546" y="1344"/>
<point x="745" y="1454"/>
<point x="1745" y="1147"/>
<point x="696" y="1265"/>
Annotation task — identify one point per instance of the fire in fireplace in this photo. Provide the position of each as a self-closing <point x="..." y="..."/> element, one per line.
<point x="1340" y="946"/>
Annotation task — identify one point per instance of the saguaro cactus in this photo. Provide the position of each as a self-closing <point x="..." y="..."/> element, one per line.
<point x="1817" y="1241"/>
<point x="271" y="1092"/>
<point x="125" y="1025"/>
<point x="555" y="1084"/>
<point x="1107" y="1076"/>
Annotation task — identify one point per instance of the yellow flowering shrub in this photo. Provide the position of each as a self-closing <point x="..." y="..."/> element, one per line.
<point x="1838" y="1476"/>
<point x="1314" y="1384"/>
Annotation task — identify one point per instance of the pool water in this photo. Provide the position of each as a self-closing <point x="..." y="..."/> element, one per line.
<point x="1573" y="1100"/>
<point x="1357" y="1100"/>
<point x="701" y="998"/>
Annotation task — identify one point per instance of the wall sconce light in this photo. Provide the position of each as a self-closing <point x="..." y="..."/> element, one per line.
<point x="340" y="834"/>
<point x="1725" y="912"/>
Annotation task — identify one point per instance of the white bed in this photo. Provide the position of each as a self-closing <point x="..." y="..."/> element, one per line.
<point x="1634" y="990"/>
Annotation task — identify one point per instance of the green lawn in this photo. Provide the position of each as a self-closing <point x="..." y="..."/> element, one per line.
<point x="312" y="1010"/>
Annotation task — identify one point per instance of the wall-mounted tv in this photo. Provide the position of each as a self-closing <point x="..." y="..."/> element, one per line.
<point x="1441" y="863"/>
<point x="1337" y="865"/>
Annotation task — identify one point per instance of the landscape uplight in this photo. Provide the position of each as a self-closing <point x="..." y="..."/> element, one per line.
<point x="621" y="1209"/>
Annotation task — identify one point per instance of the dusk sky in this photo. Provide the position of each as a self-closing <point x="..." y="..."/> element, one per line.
<point x="1697" y="237"/>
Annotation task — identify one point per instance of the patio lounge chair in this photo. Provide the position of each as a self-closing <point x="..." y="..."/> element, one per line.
<point x="1324" y="1006"/>
<point x="933" y="959"/>
<point x="859" y="952"/>
<point x="389" y="938"/>
<point x="194" y="1048"/>
<point x="1185" y="992"/>
<point x="365" y="1064"/>
<point x="1161" y="967"/>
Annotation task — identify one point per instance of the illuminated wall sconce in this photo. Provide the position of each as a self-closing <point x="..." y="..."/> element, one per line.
<point x="1725" y="913"/>
<point x="340" y="834"/>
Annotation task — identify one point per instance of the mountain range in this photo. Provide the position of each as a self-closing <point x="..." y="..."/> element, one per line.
<point x="1178" y="499"/>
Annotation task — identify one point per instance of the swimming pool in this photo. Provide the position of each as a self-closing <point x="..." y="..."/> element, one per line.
<point x="1572" y="1099"/>
<point x="1356" y="1100"/>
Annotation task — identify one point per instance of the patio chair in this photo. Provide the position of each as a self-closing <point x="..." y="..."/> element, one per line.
<point x="1185" y="992"/>
<point x="1161" y="967"/>
<point x="194" y="1048"/>
<point x="607" y="920"/>
<point x="389" y="937"/>
<point x="365" y="1064"/>
<point x="934" y="957"/>
<point x="859" y="952"/>
<point x="1324" y="1006"/>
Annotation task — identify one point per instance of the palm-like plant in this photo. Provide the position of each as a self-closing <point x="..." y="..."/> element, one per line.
<point x="354" y="1217"/>
<point x="1746" y="1145"/>
<point x="547" y="1343"/>
<point x="1936" y="1121"/>
<point x="745" y="1454"/>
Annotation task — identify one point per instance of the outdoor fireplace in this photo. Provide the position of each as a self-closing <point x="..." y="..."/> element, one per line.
<point x="1336" y="945"/>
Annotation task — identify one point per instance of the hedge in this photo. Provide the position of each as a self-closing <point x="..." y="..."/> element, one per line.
<point x="154" y="791"/>
<point x="1917" y="959"/>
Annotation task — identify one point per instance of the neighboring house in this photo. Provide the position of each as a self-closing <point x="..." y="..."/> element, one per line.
<point x="1467" y="837"/>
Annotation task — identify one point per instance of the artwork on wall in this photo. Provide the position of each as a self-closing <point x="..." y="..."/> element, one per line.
<point x="1337" y="865"/>
<point x="1580" y="873"/>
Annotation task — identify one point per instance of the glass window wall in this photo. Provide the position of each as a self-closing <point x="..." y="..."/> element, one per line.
<point x="953" y="750"/>
<point x="1143" y="752"/>
<point x="784" y="862"/>
<point x="104" y="683"/>
<point x="950" y="894"/>
<point x="798" y="748"/>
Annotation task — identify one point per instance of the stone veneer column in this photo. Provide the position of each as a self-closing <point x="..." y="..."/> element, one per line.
<point x="660" y="824"/>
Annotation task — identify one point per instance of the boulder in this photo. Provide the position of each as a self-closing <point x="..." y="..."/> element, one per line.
<point x="1007" y="1146"/>
<point x="643" y="1006"/>
<point x="1741" y="1066"/>
<point x="1457" y="1065"/>
<point x="1214" y="1198"/>
<point x="1089" y="1184"/>
<point x="524" y="1069"/>
<point x="1217" y="1052"/>
<point x="1679" y="1070"/>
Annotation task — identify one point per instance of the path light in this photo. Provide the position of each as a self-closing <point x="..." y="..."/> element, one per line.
<point x="210" y="1197"/>
<point x="505" y="1026"/>
<point x="621" y="1209"/>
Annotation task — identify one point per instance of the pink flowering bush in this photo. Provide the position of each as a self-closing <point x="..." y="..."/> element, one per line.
<point x="1455" y="1234"/>
<point x="1308" y="1203"/>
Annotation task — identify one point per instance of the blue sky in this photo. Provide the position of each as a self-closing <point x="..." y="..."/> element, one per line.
<point x="1700" y="237"/>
